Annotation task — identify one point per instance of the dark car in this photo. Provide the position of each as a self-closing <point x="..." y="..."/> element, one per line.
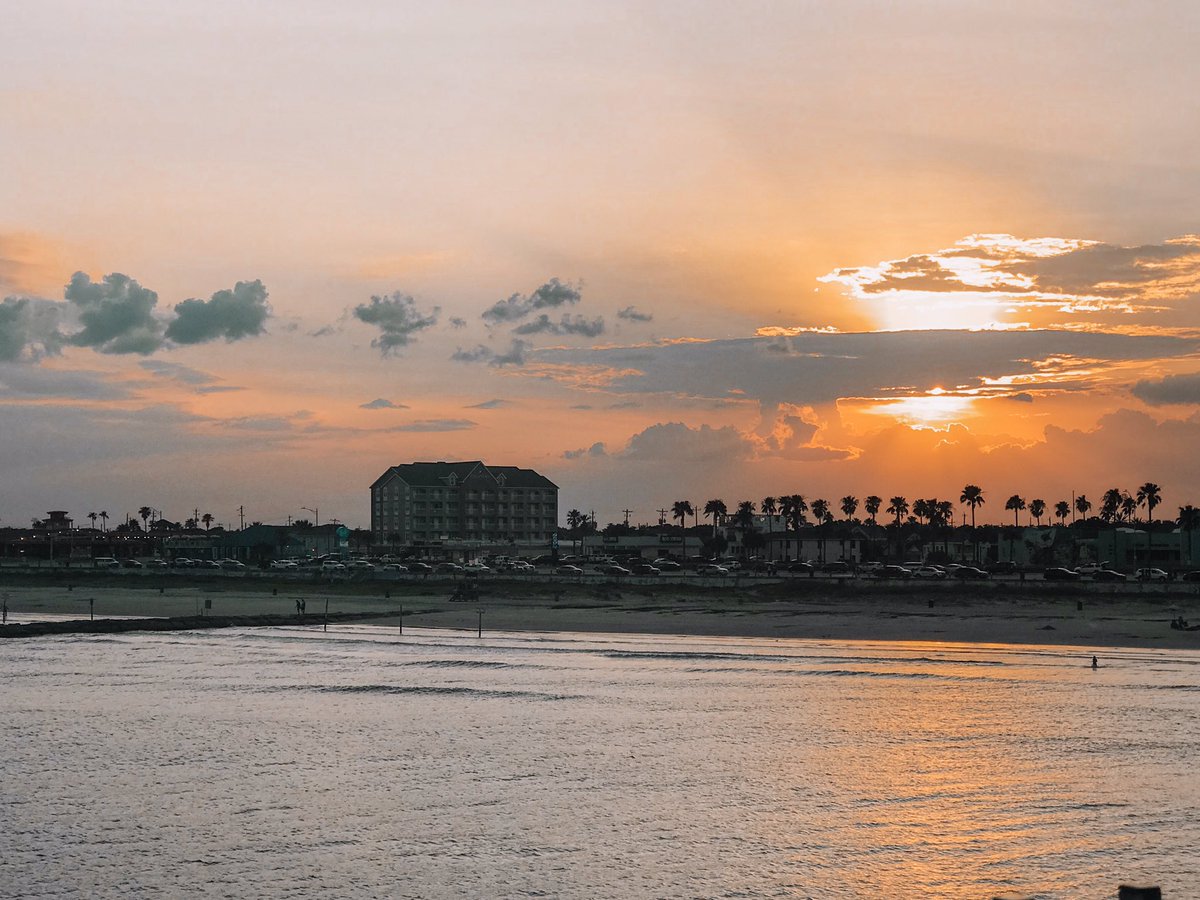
<point x="130" y="564"/>
<point x="894" y="572"/>
<point x="970" y="573"/>
<point x="1006" y="567"/>
<point x="837" y="568"/>
<point x="801" y="568"/>
<point x="1191" y="576"/>
<point x="1058" y="573"/>
<point x="667" y="565"/>
<point x="419" y="568"/>
<point x="645" y="569"/>
<point x="1108" y="575"/>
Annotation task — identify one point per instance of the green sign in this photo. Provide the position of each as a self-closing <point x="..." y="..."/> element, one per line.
<point x="343" y="532"/>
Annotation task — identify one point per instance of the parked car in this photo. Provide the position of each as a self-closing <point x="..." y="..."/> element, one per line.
<point x="614" y="569"/>
<point x="1152" y="574"/>
<point x="106" y="562"/>
<point x="928" y="572"/>
<point x="1093" y="568"/>
<point x="895" y="571"/>
<point x="1058" y="573"/>
<point x="419" y="568"/>
<point x="870" y="568"/>
<point x="667" y="565"/>
<point x="970" y="573"/>
<point x="332" y="565"/>
<point x="476" y="568"/>
<point x="712" y="570"/>
<point x="644" y="570"/>
<point x="233" y="565"/>
<point x="448" y="568"/>
<point x="395" y="568"/>
<point x="156" y="564"/>
<point x="1108" y="575"/>
<point x="521" y="567"/>
<point x="837" y="568"/>
<point x="207" y="564"/>
<point x="182" y="562"/>
<point x="568" y="570"/>
<point x="1005" y="567"/>
<point x="284" y="564"/>
<point x="360" y="565"/>
<point x="801" y="568"/>
<point x="130" y="564"/>
<point x="1191" y="576"/>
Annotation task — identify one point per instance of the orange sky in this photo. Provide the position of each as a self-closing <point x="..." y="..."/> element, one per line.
<point x="656" y="251"/>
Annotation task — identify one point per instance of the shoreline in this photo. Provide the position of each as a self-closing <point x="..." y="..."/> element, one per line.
<point x="957" y="613"/>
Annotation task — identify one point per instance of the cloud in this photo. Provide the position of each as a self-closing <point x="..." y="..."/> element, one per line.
<point x="596" y="450"/>
<point x="1171" y="389"/>
<point x="516" y="356"/>
<point x="674" y="441"/>
<point x="567" y="325"/>
<point x="380" y="403"/>
<point x="551" y="295"/>
<point x="1009" y="277"/>
<point x="480" y="353"/>
<point x="324" y="331"/>
<point x="422" y="425"/>
<point x="177" y="372"/>
<point x="1020" y="397"/>
<point x="398" y="319"/>
<point x="819" y="368"/>
<point x="19" y="381"/>
<point x="488" y="404"/>
<point x="117" y="314"/>
<point x="457" y="322"/>
<point x="28" y="329"/>
<point x="229" y="314"/>
<point x="632" y="315"/>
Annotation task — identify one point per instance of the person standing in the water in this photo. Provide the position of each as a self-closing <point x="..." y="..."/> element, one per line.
<point x="1095" y="663"/>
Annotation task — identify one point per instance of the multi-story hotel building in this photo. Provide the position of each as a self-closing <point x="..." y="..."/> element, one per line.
<point x="462" y="501"/>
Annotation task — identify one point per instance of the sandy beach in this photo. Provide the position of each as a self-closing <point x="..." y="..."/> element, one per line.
<point x="989" y="613"/>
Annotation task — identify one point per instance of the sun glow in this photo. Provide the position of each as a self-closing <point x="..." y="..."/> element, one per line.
<point x="935" y="408"/>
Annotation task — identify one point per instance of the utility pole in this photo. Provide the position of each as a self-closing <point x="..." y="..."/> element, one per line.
<point x="662" y="517"/>
<point x="196" y="517"/>
<point x="627" y="512"/>
<point x="241" y="518"/>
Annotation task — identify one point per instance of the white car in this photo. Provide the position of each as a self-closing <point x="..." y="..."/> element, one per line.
<point x="393" y="567"/>
<point x="928" y="572"/>
<point x="1152" y="574"/>
<point x="285" y="564"/>
<point x="360" y="565"/>
<point x="331" y="565"/>
<point x="476" y="568"/>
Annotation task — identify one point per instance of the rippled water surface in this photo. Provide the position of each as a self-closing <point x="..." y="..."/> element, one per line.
<point x="364" y="763"/>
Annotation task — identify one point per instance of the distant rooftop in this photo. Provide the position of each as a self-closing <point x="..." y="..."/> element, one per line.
<point x="438" y="474"/>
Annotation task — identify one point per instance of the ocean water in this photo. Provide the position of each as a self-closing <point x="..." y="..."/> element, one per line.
<point x="363" y="763"/>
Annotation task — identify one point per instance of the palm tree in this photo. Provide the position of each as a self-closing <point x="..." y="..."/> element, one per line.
<point x="104" y="520"/>
<point x="93" y="517"/>
<point x="972" y="495"/>
<point x="716" y="509"/>
<point x="898" y="507"/>
<point x="849" y="506"/>
<point x="1062" y="509"/>
<point x="207" y="519"/>
<point x="1083" y="505"/>
<point x="1016" y="503"/>
<point x="1110" y="505"/>
<point x="1149" y="495"/>
<point x="1128" y="507"/>
<point x="680" y="510"/>
<point x="575" y="519"/>
<point x="920" y="509"/>
<point x="745" y="514"/>
<point x="769" y="506"/>
<point x="871" y="505"/>
<point x="145" y="513"/>
<point x="1037" y="509"/>
<point x="820" y="509"/>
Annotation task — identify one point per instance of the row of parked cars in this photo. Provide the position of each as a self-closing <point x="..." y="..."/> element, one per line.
<point x="1102" y="572"/>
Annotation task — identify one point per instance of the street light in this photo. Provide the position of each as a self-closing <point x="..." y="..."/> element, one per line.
<point x="316" y="515"/>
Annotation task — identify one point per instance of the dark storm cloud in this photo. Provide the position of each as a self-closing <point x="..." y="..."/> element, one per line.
<point x="1183" y="389"/>
<point x="596" y="450"/>
<point x="117" y="314"/>
<point x="630" y="314"/>
<point x="229" y="314"/>
<point x="551" y="295"/>
<point x="480" y="353"/>
<point x="397" y="318"/>
<point x="516" y="356"/>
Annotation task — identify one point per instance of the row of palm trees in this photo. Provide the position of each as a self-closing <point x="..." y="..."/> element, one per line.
<point x="145" y="513"/>
<point x="1116" y="506"/>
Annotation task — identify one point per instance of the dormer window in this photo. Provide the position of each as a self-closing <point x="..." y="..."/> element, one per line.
<point x="453" y="479"/>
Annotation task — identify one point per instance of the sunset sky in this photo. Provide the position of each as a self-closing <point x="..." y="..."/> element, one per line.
<point x="254" y="253"/>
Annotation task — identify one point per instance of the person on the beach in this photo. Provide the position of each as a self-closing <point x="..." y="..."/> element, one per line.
<point x="4" y="611"/>
<point x="1095" y="663"/>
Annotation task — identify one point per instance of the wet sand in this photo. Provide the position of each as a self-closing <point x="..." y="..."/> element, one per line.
<point x="977" y="613"/>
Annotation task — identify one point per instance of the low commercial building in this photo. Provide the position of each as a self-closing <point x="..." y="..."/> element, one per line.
<point x="441" y="502"/>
